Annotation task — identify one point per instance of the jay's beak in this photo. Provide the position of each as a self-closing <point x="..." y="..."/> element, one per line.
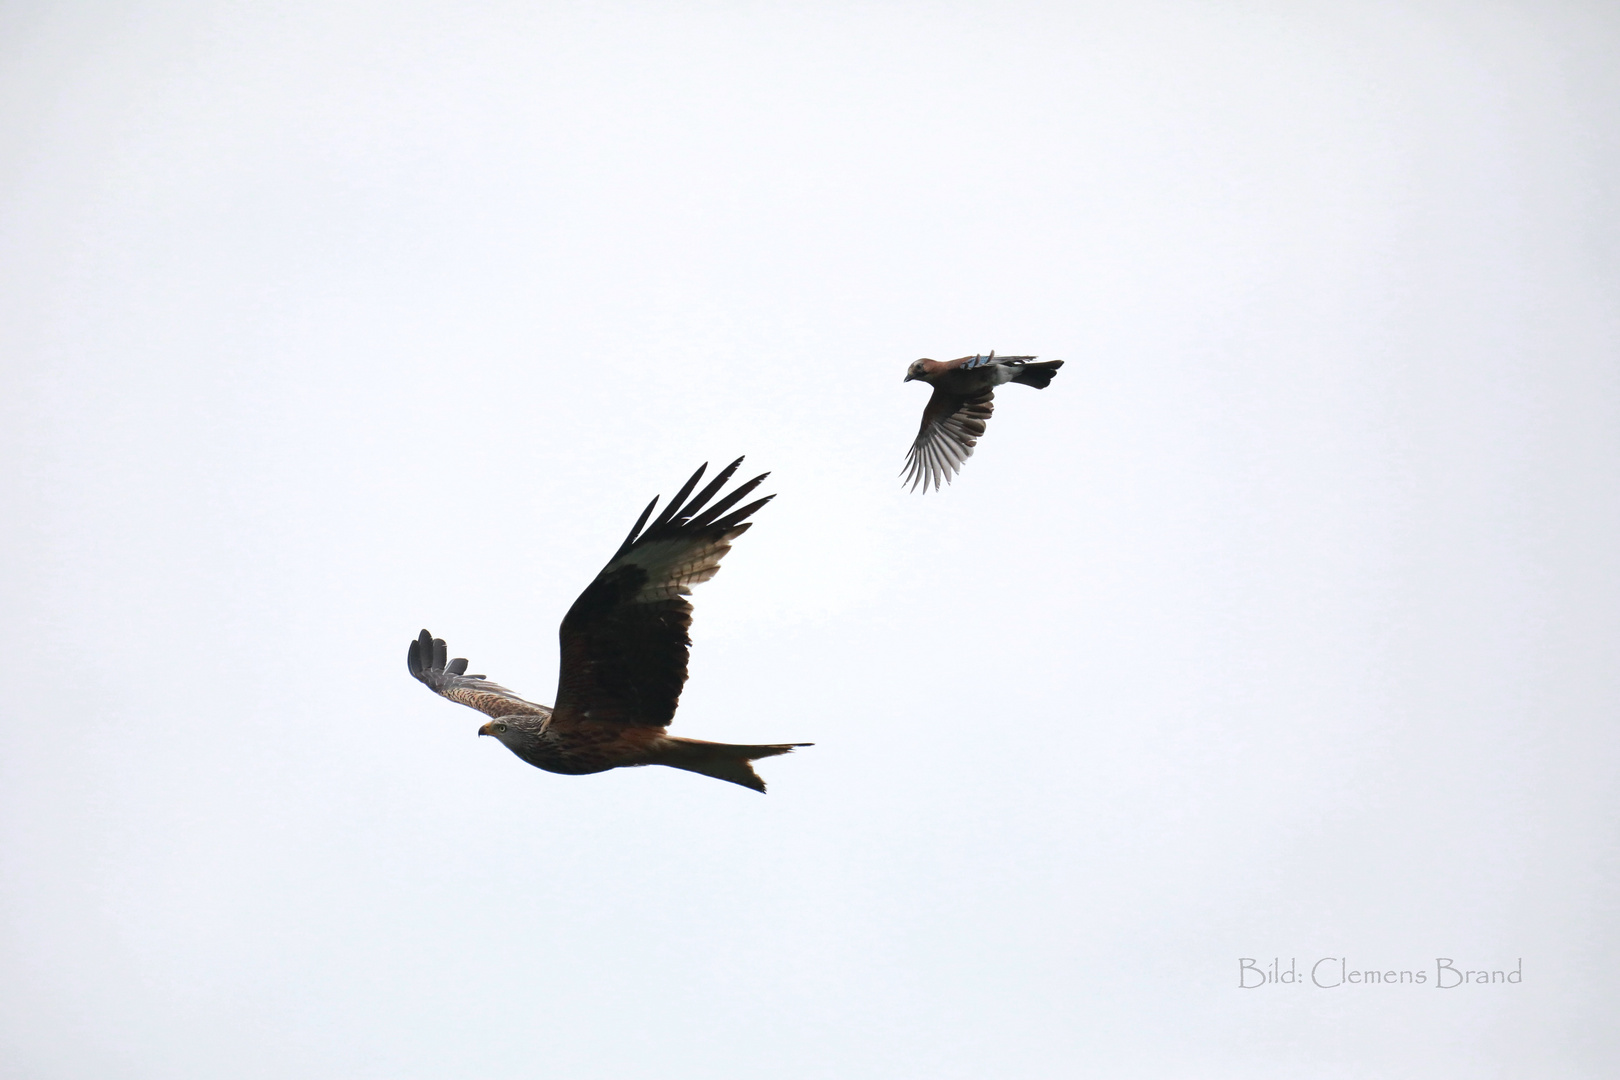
<point x="908" y="378"/>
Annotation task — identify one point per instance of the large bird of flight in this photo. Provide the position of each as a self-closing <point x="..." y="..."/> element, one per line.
<point x="624" y="653"/>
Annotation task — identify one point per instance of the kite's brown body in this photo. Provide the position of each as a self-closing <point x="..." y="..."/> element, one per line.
<point x="624" y="653"/>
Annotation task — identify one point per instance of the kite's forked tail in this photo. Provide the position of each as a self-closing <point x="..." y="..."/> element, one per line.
<point x="723" y="761"/>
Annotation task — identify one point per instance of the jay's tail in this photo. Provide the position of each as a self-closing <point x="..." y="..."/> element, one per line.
<point x="1037" y="375"/>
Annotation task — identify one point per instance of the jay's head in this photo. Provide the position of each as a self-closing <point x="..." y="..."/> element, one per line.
<point x="917" y="370"/>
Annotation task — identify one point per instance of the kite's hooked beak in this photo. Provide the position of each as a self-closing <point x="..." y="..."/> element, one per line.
<point x="485" y="729"/>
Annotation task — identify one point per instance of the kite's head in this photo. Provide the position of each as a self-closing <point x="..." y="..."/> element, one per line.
<point x="514" y="731"/>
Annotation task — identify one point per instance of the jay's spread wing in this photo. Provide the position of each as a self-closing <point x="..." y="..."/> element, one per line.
<point x="969" y="363"/>
<point x="625" y="642"/>
<point x="951" y="425"/>
<point x="426" y="661"/>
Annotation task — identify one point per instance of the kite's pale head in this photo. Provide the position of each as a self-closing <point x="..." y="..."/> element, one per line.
<point x="514" y="731"/>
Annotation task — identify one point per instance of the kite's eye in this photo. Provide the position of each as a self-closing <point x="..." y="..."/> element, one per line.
<point x="500" y="727"/>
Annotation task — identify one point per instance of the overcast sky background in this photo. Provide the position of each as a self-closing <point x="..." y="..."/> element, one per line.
<point x="1283" y="624"/>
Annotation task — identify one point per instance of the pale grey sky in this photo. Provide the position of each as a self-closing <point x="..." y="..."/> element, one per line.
<point x="1283" y="624"/>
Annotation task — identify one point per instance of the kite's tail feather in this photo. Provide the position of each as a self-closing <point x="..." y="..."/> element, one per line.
<point x="723" y="761"/>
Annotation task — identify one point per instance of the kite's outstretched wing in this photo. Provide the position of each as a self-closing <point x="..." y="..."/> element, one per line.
<point x="624" y="642"/>
<point x="426" y="661"/>
<point x="951" y="425"/>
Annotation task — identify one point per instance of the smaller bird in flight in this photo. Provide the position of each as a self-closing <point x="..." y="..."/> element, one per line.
<point x="954" y="417"/>
<point x="624" y="652"/>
